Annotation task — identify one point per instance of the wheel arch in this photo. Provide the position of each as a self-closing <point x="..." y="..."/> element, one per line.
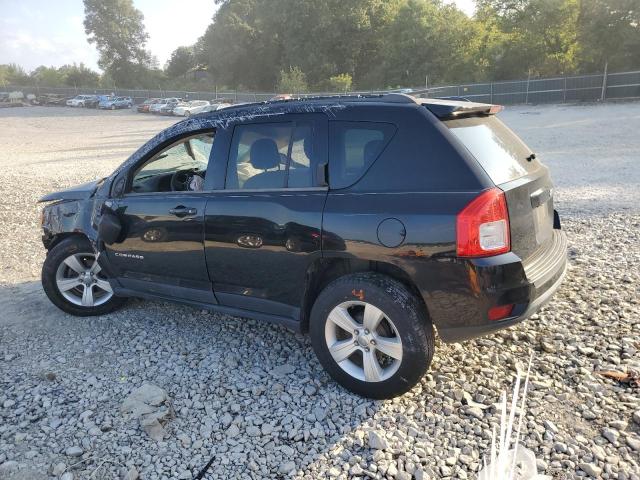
<point x="51" y="241"/>
<point x="325" y="270"/>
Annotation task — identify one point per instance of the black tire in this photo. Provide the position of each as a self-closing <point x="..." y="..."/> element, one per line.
<point x="409" y="318"/>
<point x="55" y="257"/>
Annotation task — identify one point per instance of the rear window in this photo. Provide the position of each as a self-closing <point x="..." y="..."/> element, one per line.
<point x="354" y="146"/>
<point x="498" y="150"/>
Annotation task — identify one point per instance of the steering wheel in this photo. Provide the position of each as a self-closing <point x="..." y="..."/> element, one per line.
<point x="180" y="180"/>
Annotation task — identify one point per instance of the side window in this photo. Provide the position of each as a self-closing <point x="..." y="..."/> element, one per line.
<point x="271" y="155"/>
<point x="179" y="167"/>
<point x="353" y="147"/>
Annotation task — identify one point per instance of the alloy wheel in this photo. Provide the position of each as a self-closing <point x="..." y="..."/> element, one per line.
<point x="80" y="280"/>
<point x="363" y="341"/>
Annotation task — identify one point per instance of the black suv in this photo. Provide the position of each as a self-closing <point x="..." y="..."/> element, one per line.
<point x="365" y="221"/>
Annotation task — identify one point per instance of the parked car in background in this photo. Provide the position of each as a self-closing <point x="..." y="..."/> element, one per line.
<point x="144" y="106"/>
<point x="366" y="221"/>
<point x="78" y="100"/>
<point x="51" y="99"/>
<point x="113" y="103"/>
<point x="164" y="103"/>
<point x="191" y="108"/>
<point x="95" y="100"/>
<point x="212" y="107"/>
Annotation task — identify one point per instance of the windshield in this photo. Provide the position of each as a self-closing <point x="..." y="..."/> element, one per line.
<point x="499" y="151"/>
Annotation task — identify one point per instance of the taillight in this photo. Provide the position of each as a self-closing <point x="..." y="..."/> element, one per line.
<point x="500" y="312"/>
<point x="482" y="227"/>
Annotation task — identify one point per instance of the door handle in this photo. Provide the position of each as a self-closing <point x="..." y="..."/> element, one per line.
<point x="181" y="211"/>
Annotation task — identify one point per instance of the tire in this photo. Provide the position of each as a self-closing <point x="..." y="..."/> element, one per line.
<point x="404" y="321"/>
<point x="58" y="274"/>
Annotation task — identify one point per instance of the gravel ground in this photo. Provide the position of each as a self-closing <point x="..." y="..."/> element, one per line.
<point x="253" y="398"/>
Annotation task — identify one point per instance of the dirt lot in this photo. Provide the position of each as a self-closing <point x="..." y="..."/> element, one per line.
<point x="253" y="397"/>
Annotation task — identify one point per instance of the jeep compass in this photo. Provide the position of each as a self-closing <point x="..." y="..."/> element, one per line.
<point x="368" y="222"/>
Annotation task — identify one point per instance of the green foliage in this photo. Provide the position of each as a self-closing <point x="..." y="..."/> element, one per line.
<point x="609" y="31"/>
<point x="341" y="83"/>
<point x="182" y="60"/>
<point x="13" y="74"/>
<point x="78" y="76"/>
<point x="293" y="81"/>
<point x="116" y="27"/>
<point x="361" y="44"/>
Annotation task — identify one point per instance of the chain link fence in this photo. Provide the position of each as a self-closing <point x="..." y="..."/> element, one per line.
<point x="604" y="86"/>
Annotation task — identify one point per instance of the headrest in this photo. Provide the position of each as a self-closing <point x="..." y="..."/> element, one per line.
<point x="264" y="154"/>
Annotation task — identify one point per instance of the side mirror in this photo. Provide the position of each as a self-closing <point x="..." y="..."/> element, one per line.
<point x="109" y="227"/>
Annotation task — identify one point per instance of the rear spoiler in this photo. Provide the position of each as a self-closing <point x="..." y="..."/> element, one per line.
<point x="446" y="109"/>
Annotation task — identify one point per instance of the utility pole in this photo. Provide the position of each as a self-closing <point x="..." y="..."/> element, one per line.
<point x="526" y="98"/>
<point x="603" y="95"/>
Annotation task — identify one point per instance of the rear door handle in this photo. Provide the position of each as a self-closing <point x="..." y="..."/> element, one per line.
<point x="182" y="211"/>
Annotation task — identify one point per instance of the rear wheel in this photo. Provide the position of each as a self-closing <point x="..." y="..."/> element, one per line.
<point x="371" y="335"/>
<point x="74" y="281"/>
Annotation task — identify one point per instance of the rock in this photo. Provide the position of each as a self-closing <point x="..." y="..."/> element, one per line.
<point x="233" y="431"/>
<point x="377" y="441"/>
<point x="287" y="467"/>
<point x="549" y="425"/>
<point x="590" y="469"/>
<point x="619" y="425"/>
<point x="143" y="401"/>
<point x="58" y="469"/>
<point x="636" y="417"/>
<point x="67" y="476"/>
<point x="320" y="413"/>
<point x="633" y="442"/>
<point x="74" y="451"/>
<point x="132" y="474"/>
<point x="403" y="476"/>
<point x="8" y="403"/>
<point x="283" y="370"/>
<point x="253" y="431"/>
<point x="560" y="447"/>
<point x="8" y="467"/>
<point x="548" y="347"/>
<point x="150" y="405"/>
<point x="266" y="428"/>
<point x="152" y="426"/>
<point x="334" y="472"/>
<point x="611" y="435"/>
<point x="475" y="412"/>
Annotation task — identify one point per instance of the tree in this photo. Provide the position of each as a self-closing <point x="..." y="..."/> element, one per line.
<point x="116" y="28"/>
<point x="341" y="83"/>
<point x="79" y="75"/>
<point x="182" y="60"/>
<point x="48" y="76"/>
<point x="13" y="74"/>
<point x="293" y="81"/>
<point x="538" y="36"/>
<point x="609" y="31"/>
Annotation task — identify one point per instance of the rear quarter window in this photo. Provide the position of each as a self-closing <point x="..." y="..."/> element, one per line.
<point x="353" y="147"/>
<point x="499" y="151"/>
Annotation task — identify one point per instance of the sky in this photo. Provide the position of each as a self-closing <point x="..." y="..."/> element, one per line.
<point x="46" y="32"/>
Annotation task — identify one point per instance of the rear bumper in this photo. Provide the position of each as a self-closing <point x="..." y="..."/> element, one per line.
<point x="502" y="280"/>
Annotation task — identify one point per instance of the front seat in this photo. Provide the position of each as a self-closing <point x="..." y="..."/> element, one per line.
<point x="264" y="155"/>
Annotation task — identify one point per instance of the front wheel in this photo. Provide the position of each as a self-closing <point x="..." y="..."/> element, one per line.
<point x="74" y="281"/>
<point x="372" y="335"/>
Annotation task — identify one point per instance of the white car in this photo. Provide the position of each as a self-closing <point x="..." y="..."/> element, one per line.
<point x="156" y="107"/>
<point x="191" y="108"/>
<point x="216" y="106"/>
<point x="78" y="101"/>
